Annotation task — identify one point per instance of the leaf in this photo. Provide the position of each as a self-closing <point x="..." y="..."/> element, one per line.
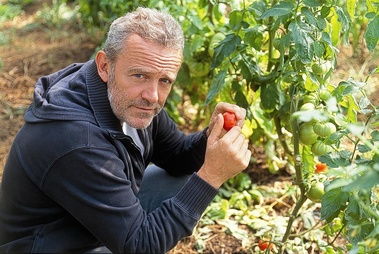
<point x="240" y="99"/>
<point x="216" y="87"/>
<point x="254" y="36"/>
<point x="363" y="148"/>
<point x="351" y="8"/>
<point x="280" y="9"/>
<point x="375" y="135"/>
<point x="225" y="48"/>
<point x="335" y="26"/>
<point x="248" y="68"/>
<point x="301" y="34"/>
<point x="332" y="203"/>
<point x="364" y="182"/>
<point x="312" y="3"/>
<point x="272" y="96"/>
<point x="335" y="160"/>
<point x="345" y="23"/>
<point x="352" y="109"/>
<point x="372" y="33"/>
<point x="319" y="49"/>
<point x="309" y="16"/>
<point x="235" y="19"/>
<point x="364" y="103"/>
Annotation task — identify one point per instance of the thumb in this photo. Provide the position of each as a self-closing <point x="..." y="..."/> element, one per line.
<point x="217" y="130"/>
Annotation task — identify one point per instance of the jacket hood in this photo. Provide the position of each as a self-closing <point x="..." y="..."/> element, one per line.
<point x="73" y="93"/>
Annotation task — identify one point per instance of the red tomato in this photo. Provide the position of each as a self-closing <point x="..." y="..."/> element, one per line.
<point x="264" y="244"/>
<point x="321" y="168"/>
<point x="229" y="120"/>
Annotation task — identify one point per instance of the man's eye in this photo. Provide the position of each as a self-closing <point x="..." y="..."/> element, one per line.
<point x="138" y="75"/>
<point x="166" y="81"/>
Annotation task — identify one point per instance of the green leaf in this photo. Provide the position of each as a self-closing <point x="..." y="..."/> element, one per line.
<point x="364" y="182"/>
<point x="335" y="160"/>
<point x="364" y="102"/>
<point x="372" y="33"/>
<point x="309" y="16"/>
<point x="351" y="8"/>
<point x="301" y="34"/>
<point x="225" y="48"/>
<point x="357" y="218"/>
<point x="280" y="9"/>
<point x="375" y="135"/>
<point x="319" y="49"/>
<point x="235" y="18"/>
<point x="345" y="22"/>
<point x="312" y="3"/>
<point x="272" y="96"/>
<point x="352" y="109"/>
<point x="216" y="87"/>
<point x="254" y="36"/>
<point x="363" y="148"/>
<point x="240" y="99"/>
<point x="332" y="203"/>
<point x="335" y="26"/>
<point x="249" y="68"/>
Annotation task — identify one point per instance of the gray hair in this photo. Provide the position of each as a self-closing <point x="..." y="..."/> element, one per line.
<point x="149" y="24"/>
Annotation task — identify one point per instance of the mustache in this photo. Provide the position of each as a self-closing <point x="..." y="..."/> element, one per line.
<point x="142" y="103"/>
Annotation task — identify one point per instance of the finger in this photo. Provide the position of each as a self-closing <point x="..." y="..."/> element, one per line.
<point x="240" y="116"/>
<point x="216" y="131"/>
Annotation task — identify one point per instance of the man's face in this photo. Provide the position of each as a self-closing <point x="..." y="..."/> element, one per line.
<point x="140" y="80"/>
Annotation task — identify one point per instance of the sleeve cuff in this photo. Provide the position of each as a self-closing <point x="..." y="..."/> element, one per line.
<point x="195" y="196"/>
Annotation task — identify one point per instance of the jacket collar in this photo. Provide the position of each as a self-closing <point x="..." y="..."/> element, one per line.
<point x="98" y="99"/>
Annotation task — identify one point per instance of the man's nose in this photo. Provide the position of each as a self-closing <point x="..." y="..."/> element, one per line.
<point x="150" y="93"/>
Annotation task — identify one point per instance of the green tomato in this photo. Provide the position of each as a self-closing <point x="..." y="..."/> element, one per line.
<point x="321" y="68"/>
<point x="325" y="94"/>
<point x="307" y="135"/>
<point x="310" y="98"/>
<point x="324" y="129"/>
<point x="319" y="148"/>
<point x="307" y="107"/>
<point x="316" y="192"/>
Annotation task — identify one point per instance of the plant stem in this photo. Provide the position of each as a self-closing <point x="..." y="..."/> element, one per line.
<point x="299" y="176"/>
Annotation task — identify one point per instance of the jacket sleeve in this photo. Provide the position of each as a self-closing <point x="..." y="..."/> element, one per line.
<point x="90" y="184"/>
<point x="175" y="151"/>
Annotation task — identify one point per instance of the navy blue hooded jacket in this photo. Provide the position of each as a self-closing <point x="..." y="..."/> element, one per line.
<point x="71" y="177"/>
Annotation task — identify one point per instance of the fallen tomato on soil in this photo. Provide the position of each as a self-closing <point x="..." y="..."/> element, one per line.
<point x="264" y="244"/>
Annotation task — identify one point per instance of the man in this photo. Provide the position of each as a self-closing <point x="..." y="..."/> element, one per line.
<point x="72" y="181"/>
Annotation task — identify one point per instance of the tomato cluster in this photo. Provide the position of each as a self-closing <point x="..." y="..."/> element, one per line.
<point x="314" y="132"/>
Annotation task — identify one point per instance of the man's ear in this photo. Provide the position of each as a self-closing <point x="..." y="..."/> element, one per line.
<point x="103" y="65"/>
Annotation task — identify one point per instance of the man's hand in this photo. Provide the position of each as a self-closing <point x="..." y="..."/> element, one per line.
<point x="223" y="107"/>
<point x="227" y="153"/>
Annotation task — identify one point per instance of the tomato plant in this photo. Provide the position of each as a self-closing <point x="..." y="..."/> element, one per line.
<point x="273" y="58"/>
<point x="229" y="120"/>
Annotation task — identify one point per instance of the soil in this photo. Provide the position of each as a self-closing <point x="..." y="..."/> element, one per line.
<point x="33" y="50"/>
